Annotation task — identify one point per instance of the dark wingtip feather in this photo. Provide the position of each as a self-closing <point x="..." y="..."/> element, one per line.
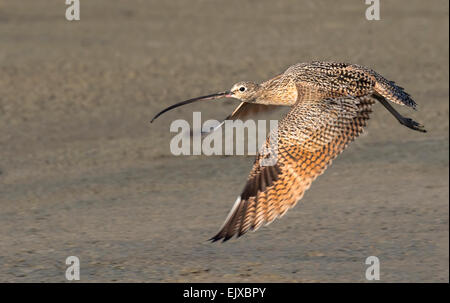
<point x="215" y="238"/>
<point x="226" y="238"/>
<point x="219" y="237"/>
<point x="223" y="235"/>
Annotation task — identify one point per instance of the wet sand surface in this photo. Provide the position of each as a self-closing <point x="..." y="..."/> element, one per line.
<point x="83" y="173"/>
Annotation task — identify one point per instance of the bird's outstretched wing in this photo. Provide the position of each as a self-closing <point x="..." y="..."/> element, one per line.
<point x="309" y="137"/>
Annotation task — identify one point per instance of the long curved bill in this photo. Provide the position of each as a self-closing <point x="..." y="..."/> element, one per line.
<point x="208" y="97"/>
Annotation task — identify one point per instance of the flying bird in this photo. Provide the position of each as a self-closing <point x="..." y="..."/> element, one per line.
<point x="330" y="105"/>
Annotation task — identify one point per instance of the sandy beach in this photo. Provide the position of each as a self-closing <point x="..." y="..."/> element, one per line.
<point x="83" y="172"/>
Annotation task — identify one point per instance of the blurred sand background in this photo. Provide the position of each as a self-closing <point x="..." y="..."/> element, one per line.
<point x="82" y="172"/>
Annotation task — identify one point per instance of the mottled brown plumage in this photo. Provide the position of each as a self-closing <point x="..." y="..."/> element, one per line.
<point x="331" y="103"/>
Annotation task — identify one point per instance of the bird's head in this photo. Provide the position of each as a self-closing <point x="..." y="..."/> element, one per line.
<point x="245" y="91"/>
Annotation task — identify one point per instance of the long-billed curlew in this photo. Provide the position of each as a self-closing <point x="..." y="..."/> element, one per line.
<point x="331" y="103"/>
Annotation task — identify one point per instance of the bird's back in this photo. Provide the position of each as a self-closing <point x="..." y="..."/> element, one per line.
<point x="318" y="79"/>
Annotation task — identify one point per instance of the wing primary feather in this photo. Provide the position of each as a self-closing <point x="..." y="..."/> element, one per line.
<point x="218" y="236"/>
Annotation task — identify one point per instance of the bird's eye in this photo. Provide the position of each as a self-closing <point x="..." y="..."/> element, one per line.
<point x="242" y="89"/>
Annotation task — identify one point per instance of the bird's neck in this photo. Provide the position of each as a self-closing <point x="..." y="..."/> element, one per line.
<point x="276" y="93"/>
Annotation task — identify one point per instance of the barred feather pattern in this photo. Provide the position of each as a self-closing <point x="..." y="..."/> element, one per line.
<point x="310" y="136"/>
<point x="347" y="79"/>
